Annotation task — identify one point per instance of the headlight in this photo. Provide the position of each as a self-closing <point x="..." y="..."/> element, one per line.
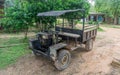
<point x="45" y="37"/>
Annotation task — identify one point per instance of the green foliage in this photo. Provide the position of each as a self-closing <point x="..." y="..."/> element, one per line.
<point x="1" y="10"/>
<point x="100" y="29"/>
<point x="111" y="7"/>
<point x="90" y="22"/>
<point x="21" y="14"/>
<point x="48" y="5"/>
<point x="16" y="18"/>
<point x="93" y="23"/>
<point x="92" y="8"/>
<point x="1" y="13"/>
<point x="115" y="7"/>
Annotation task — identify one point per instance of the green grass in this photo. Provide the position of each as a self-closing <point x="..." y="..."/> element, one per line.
<point x="100" y="29"/>
<point x="10" y="55"/>
<point x="10" y="41"/>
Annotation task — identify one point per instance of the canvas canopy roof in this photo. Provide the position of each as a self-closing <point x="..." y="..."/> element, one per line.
<point x="58" y="13"/>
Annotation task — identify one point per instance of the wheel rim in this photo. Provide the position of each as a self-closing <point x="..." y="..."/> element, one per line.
<point x="65" y="60"/>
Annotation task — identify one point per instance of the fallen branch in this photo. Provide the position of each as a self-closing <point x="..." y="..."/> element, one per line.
<point x="12" y="45"/>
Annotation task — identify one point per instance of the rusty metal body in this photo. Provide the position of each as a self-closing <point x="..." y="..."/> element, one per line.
<point x="50" y="43"/>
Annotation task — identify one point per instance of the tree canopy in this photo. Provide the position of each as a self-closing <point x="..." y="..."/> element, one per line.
<point x="21" y="14"/>
<point x="111" y="7"/>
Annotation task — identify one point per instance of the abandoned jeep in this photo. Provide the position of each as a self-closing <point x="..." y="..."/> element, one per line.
<point x="66" y="36"/>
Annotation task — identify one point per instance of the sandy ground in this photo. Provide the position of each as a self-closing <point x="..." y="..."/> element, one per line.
<point x="96" y="62"/>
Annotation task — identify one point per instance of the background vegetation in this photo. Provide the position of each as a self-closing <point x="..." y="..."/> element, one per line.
<point x="110" y="7"/>
<point x="20" y="15"/>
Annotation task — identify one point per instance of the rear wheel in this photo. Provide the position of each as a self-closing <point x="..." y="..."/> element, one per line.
<point x="63" y="60"/>
<point x="89" y="45"/>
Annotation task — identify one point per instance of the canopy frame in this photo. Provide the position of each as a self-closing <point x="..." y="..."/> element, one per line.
<point x="61" y="13"/>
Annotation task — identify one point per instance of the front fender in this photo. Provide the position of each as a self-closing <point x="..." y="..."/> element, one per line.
<point x="55" y="48"/>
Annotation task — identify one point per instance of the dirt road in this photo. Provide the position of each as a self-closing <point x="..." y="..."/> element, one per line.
<point x="96" y="62"/>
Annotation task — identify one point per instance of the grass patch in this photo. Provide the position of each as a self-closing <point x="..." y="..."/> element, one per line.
<point x="100" y="29"/>
<point x="9" y="55"/>
<point x="13" y="40"/>
<point x="111" y="26"/>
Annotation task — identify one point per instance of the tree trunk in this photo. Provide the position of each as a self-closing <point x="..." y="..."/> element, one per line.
<point x="26" y="33"/>
<point x="105" y="19"/>
<point x="38" y="26"/>
<point x="115" y="20"/>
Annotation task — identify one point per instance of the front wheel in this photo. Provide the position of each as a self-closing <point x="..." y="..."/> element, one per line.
<point x="89" y="45"/>
<point x="63" y="60"/>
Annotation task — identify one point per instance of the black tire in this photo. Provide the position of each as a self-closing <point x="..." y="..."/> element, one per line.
<point x="63" y="60"/>
<point x="89" y="45"/>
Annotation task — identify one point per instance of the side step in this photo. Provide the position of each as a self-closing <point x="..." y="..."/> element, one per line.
<point x="40" y="52"/>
